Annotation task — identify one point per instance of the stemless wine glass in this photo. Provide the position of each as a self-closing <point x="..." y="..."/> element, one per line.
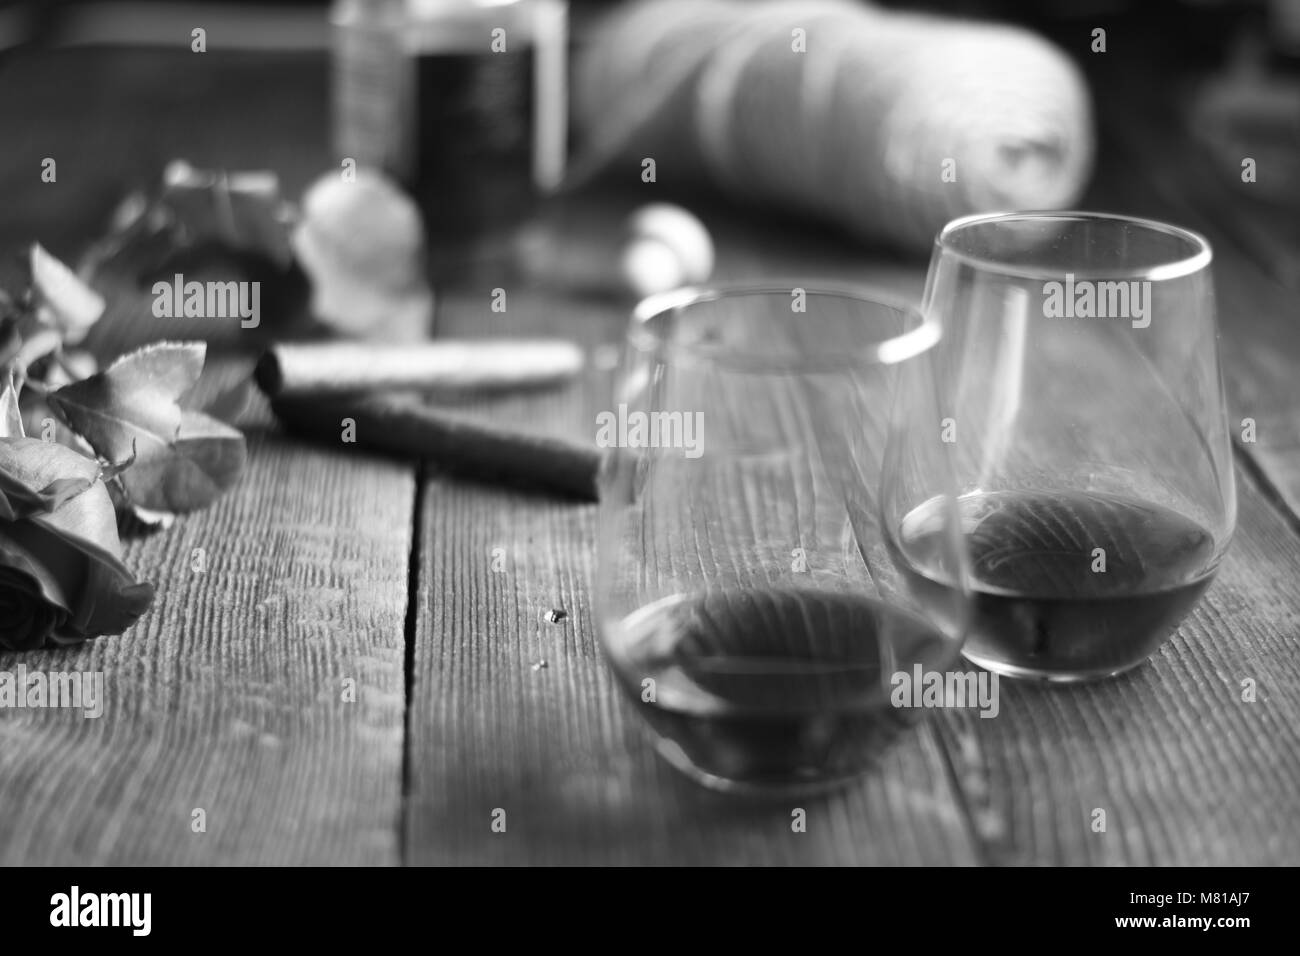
<point x="1084" y="404"/>
<point x="746" y="595"/>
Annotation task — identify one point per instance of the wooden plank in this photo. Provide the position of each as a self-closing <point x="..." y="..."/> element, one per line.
<point x="1187" y="771"/>
<point x="229" y="694"/>
<point x="557" y="748"/>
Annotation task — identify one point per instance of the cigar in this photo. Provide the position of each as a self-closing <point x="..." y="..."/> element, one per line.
<point x="335" y="368"/>
<point x="405" y="426"/>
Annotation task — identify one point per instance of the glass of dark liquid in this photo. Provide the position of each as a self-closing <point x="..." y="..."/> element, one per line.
<point x="1083" y="403"/>
<point x="759" y="444"/>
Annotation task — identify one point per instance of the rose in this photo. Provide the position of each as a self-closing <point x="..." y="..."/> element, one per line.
<point x="26" y="619"/>
<point x="61" y="574"/>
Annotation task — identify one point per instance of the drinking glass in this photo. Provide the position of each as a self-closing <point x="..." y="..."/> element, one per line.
<point x="1084" y="405"/>
<point x="746" y="595"/>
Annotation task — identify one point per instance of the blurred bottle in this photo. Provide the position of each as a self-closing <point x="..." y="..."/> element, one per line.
<point x="462" y="101"/>
<point x="371" y="86"/>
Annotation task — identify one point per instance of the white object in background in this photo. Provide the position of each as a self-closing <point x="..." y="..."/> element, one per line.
<point x="658" y="248"/>
<point x="361" y="243"/>
<point x="666" y="247"/>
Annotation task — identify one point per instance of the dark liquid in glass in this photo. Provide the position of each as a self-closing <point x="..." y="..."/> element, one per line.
<point x="1066" y="586"/>
<point x="772" y="688"/>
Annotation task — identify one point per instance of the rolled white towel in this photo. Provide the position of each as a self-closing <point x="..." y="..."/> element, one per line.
<point x="887" y="123"/>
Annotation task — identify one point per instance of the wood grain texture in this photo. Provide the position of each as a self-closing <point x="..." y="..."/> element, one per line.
<point x="1187" y="771"/>
<point x="228" y="695"/>
<point x="556" y="747"/>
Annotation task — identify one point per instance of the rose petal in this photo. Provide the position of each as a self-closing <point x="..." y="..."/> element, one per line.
<point x="72" y="560"/>
<point x="111" y="599"/>
<point x="26" y="620"/>
<point x="39" y="476"/>
<point x="52" y="568"/>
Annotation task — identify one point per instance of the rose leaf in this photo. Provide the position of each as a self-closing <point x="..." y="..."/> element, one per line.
<point x="183" y="459"/>
<point x="206" y="458"/>
<point x="35" y="476"/>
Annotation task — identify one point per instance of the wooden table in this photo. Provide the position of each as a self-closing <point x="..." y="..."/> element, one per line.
<point x="328" y="565"/>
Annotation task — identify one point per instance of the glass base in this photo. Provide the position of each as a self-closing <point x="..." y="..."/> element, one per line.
<point x="755" y="789"/>
<point x="1032" y="674"/>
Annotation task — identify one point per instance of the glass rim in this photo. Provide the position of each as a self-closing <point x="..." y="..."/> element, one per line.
<point x="922" y="334"/>
<point x="1199" y="259"/>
